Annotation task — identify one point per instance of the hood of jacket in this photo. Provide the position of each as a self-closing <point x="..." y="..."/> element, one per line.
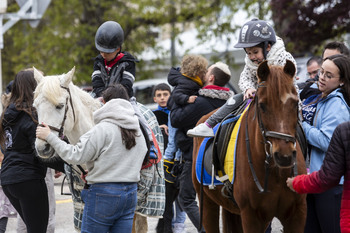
<point x="176" y="78"/>
<point x="119" y="112"/>
<point x="11" y="115"/>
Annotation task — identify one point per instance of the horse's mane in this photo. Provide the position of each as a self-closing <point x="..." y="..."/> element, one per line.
<point x="50" y="88"/>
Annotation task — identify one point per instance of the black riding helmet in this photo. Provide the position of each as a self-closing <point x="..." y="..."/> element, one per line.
<point x="109" y="37"/>
<point x="256" y="32"/>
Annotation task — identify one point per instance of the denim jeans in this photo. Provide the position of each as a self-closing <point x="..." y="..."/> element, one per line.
<point x="109" y="207"/>
<point x="180" y="215"/>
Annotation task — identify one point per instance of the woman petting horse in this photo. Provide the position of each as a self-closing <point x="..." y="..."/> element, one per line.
<point x="112" y="151"/>
<point x="266" y="154"/>
<point x="322" y="113"/>
<point x="22" y="175"/>
<point x="69" y="110"/>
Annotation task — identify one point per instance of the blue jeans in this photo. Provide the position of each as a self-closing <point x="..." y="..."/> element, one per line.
<point x="109" y="207"/>
<point x="180" y="215"/>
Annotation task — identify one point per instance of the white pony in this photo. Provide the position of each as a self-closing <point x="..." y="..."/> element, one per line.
<point x="68" y="110"/>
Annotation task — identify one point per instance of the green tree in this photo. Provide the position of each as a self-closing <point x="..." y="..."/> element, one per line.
<point x="65" y="35"/>
<point x="306" y="25"/>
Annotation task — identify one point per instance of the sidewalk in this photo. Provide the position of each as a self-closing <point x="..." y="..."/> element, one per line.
<point x="64" y="216"/>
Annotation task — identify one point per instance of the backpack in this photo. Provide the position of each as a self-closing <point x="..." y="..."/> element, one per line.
<point x="153" y="154"/>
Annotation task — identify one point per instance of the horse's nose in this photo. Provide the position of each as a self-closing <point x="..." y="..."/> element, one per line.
<point x="284" y="160"/>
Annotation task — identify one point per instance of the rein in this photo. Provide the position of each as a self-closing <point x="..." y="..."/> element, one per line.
<point x="267" y="143"/>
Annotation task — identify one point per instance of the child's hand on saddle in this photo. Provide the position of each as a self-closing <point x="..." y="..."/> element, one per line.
<point x="42" y="131"/>
<point x="290" y="183"/>
<point x="192" y="99"/>
<point x="249" y="93"/>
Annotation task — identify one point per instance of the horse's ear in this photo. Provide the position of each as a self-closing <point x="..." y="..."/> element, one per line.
<point x="67" y="78"/>
<point x="38" y="76"/>
<point x="263" y="71"/>
<point x="289" y="68"/>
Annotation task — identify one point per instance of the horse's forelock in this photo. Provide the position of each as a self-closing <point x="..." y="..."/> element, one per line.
<point x="280" y="82"/>
<point x="50" y="89"/>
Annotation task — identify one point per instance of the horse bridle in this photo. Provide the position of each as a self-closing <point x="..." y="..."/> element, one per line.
<point x="267" y="143"/>
<point x="60" y="130"/>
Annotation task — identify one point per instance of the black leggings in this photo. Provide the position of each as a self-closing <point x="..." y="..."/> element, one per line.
<point x="30" y="199"/>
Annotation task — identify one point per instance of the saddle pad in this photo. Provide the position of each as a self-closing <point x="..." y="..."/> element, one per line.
<point x="230" y="158"/>
<point x="206" y="176"/>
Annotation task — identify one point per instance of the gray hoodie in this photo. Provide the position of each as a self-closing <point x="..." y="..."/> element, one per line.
<point x="101" y="148"/>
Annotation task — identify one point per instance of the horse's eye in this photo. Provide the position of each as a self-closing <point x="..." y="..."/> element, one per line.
<point x="262" y="107"/>
<point x="60" y="106"/>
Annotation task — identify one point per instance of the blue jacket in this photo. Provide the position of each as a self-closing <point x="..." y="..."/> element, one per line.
<point x="330" y="112"/>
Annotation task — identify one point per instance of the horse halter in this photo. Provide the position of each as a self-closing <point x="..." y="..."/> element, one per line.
<point x="267" y="143"/>
<point x="60" y="130"/>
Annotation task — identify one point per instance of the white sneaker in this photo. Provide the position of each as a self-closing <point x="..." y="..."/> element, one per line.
<point x="201" y="130"/>
<point x="179" y="228"/>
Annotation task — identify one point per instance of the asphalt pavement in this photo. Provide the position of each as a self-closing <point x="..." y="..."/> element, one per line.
<point x="64" y="215"/>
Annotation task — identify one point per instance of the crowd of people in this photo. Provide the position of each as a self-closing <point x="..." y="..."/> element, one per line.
<point x="114" y="150"/>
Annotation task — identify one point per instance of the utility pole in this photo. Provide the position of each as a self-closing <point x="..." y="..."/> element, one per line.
<point x="172" y="33"/>
<point x="30" y="10"/>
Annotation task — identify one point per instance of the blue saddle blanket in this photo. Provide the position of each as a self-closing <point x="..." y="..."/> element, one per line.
<point x="207" y="178"/>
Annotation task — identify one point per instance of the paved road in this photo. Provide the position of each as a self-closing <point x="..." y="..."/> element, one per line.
<point x="64" y="216"/>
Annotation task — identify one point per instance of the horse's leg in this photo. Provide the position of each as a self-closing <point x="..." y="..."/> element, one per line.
<point x="294" y="221"/>
<point x="139" y="224"/>
<point x="231" y="223"/>
<point x="252" y="223"/>
<point x="211" y="215"/>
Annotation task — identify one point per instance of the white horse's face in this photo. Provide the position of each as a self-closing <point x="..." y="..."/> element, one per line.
<point x="52" y="102"/>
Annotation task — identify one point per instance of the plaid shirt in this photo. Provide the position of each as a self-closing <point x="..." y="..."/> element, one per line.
<point x="151" y="187"/>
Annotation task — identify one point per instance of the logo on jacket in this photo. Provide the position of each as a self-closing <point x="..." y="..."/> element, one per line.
<point x="8" y="136"/>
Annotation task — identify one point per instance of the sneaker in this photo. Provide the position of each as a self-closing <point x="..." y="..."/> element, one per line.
<point x="179" y="228"/>
<point x="201" y="130"/>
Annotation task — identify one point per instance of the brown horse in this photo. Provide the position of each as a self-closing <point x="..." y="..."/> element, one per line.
<point x="267" y="153"/>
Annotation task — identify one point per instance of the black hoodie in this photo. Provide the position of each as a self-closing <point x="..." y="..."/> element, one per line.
<point x="20" y="163"/>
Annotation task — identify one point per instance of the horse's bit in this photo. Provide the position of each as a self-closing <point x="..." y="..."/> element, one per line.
<point x="267" y="143"/>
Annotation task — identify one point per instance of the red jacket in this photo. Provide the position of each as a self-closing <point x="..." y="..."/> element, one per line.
<point x="335" y="165"/>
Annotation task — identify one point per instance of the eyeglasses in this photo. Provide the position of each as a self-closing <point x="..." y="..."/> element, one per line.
<point x="328" y="75"/>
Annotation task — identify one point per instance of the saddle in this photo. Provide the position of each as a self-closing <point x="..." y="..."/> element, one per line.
<point x="214" y="155"/>
<point x="215" y="151"/>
